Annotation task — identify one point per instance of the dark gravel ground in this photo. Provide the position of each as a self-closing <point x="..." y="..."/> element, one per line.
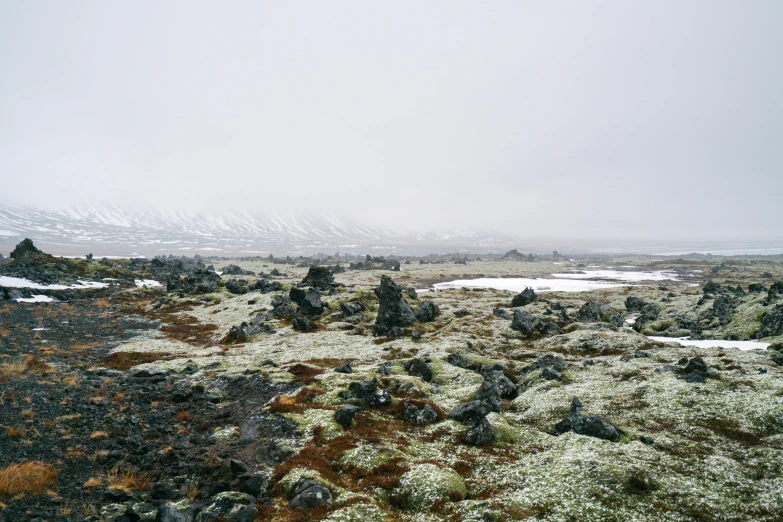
<point x="93" y="423"/>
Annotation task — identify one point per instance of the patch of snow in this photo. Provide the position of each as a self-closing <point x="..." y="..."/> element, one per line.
<point x="147" y="282"/>
<point x="35" y="299"/>
<point x="619" y="275"/>
<point x="18" y="282"/>
<point x="518" y="284"/>
<point x="40" y="329"/>
<point x="712" y="343"/>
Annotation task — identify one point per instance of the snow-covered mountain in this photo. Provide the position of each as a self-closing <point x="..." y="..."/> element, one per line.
<point x="108" y="230"/>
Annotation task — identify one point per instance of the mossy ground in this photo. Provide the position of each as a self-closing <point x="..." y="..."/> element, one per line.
<point x="718" y="446"/>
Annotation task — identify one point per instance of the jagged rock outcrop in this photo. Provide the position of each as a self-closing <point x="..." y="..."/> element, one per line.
<point x="319" y="277"/>
<point x="593" y="312"/>
<point x="772" y="323"/>
<point x="309" y="301"/>
<point x="527" y="296"/>
<point x="24" y="249"/>
<point x="394" y="312"/>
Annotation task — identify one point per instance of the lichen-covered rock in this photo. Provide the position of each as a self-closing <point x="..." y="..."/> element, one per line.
<point x="394" y="312"/>
<point x="772" y="323"/>
<point x="308" y="493"/>
<point x="418" y="413"/>
<point x="470" y="413"/>
<point x="309" y="301"/>
<point x="351" y="309"/>
<point x="344" y="416"/>
<point x="419" y="368"/>
<point x="282" y="306"/>
<point x="494" y="389"/>
<point x="427" y="484"/>
<point x="319" y="277"/>
<point x="530" y="325"/>
<point x="527" y="296"/>
<point x="480" y="434"/>
<point x="590" y="425"/>
<point x="427" y="311"/>
<point x="233" y="506"/>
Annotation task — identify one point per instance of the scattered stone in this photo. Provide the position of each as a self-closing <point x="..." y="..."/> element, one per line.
<point x="469" y="413"/>
<point x="309" y="301"/>
<point x="419" y="368"/>
<point x="351" y="309"/>
<point x="418" y="413"/>
<point x="307" y="493"/>
<point x="494" y="389"/>
<point x="344" y="368"/>
<point x="772" y="323"/>
<point x="527" y="296"/>
<point x="427" y="312"/>
<point x="301" y="323"/>
<point x="344" y="416"/>
<point x="480" y="434"/>
<point x="590" y="425"/>
<point x="282" y="306"/>
<point x="500" y="312"/>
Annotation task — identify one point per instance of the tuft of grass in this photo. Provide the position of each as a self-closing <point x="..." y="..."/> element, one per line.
<point x="28" y="478"/>
<point x="126" y="360"/>
<point x="99" y="435"/>
<point x="15" y="433"/>
<point x="127" y="480"/>
<point x="93" y="482"/>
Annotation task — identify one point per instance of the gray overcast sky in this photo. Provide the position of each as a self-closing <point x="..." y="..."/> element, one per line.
<point x="599" y="119"/>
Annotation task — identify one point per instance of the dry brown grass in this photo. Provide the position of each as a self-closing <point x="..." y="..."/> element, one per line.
<point x="99" y="435"/>
<point x="93" y="483"/>
<point x="127" y="480"/>
<point x="15" y="433"/>
<point x="125" y="360"/>
<point x="184" y="417"/>
<point x="102" y="303"/>
<point x="27" y="413"/>
<point x="13" y="368"/>
<point x="29" y="478"/>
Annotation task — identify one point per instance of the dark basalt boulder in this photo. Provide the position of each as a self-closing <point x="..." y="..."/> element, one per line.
<point x="394" y="312"/>
<point x="634" y="304"/>
<point x="480" y="434"/>
<point x="418" y="413"/>
<point x="649" y="312"/>
<point x="772" y="323"/>
<point x="301" y="323"/>
<point x="755" y="287"/>
<point x="236" y="270"/>
<point x="551" y="367"/>
<point x="527" y="296"/>
<point x="309" y="301"/>
<point x="711" y="287"/>
<point x="411" y="292"/>
<point x="367" y="393"/>
<point x="419" y="368"/>
<point x="344" y="416"/>
<point x="233" y="506"/>
<point x="775" y="291"/>
<point x="592" y="312"/>
<point x="307" y="493"/>
<point x="722" y="309"/>
<point x="590" y="425"/>
<point x="344" y="368"/>
<point x="352" y="308"/>
<point x="319" y="277"/>
<point x="470" y="413"/>
<point x="427" y="312"/>
<point x="24" y="249"/>
<point x="282" y="306"/>
<point x="499" y="312"/>
<point x="241" y="333"/>
<point x="265" y="286"/>
<point x="494" y="389"/>
<point x="198" y="282"/>
<point x="530" y="325"/>
<point x="237" y="286"/>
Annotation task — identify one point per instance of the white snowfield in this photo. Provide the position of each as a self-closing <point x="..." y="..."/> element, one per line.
<point x="713" y="343"/>
<point x="18" y="282"/>
<point x="147" y="282"/>
<point x="619" y="275"/>
<point x="35" y="299"/>
<point x="517" y="284"/>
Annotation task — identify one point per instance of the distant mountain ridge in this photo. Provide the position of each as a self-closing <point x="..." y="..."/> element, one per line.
<point x="110" y="230"/>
